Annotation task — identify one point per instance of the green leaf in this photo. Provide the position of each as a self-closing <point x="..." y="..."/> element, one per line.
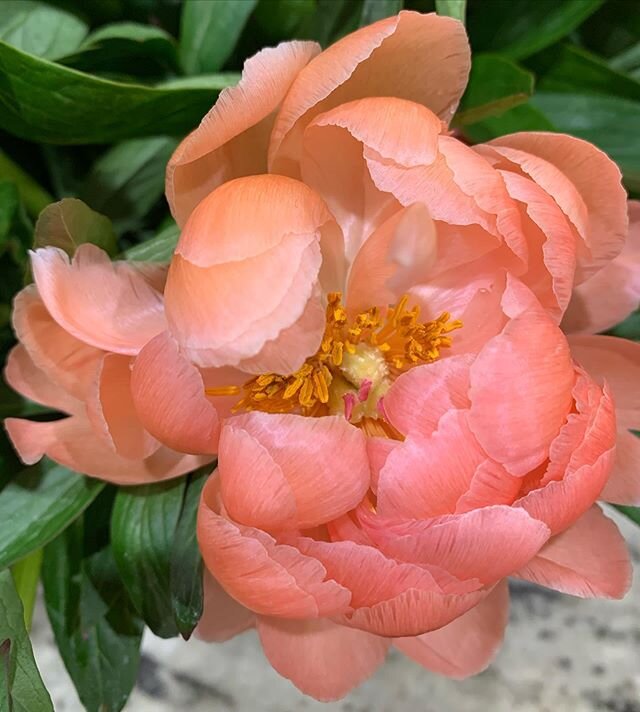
<point x="15" y="228"/>
<point x="520" y="28"/>
<point x="26" y="576"/>
<point x="627" y="61"/>
<point x="126" y="48"/>
<point x="495" y="85"/>
<point x="567" y="68"/>
<point x="42" y="101"/>
<point x="281" y="19"/>
<point x="158" y="249"/>
<point x="209" y="32"/>
<point x="32" y="195"/>
<point x="374" y="10"/>
<point x="143" y="526"/>
<point x="94" y="624"/>
<point x="40" y="29"/>
<point x="186" y="562"/>
<point x="632" y="512"/>
<point x="70" y="223"/>
<point x="523" y="117"/>
<point x="21" y="687"/>
<point x="609" y="122"/>
<point x="452" y="8"/>
<point x="128" y="179"/>
<point x="629" y="328"/>
<point x="37" y="505"/>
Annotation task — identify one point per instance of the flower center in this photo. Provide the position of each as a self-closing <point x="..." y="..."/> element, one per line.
<point x="356" y="363"/>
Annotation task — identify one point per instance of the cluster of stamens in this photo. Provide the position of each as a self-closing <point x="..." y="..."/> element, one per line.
<point x="355" y="364"/>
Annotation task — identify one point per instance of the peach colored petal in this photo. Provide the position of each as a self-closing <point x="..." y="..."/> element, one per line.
<point x="424" y="58"/>
<point x="563" y="165"/>
<point x="485" y="544"/>
<point x="590" y="559"/>
<point x="490" y="484"/>
<point x="321" y="658"/>
<point x="623" y="486"/>
<point x="222" y="616"/>
<point x="232" y="139"/>
<point x="467" y="645"/>
<point x="28" y="380"/>
<point x="616" y="361"/>
<point x="233" y="290"/>
<point x="267" y="577"/>
<point x="109" y="305"/>
<point x="521" y="391"/>
<point x="611" y="294"/>
<point x="67" y="362"/>
<point x="425" y="477"/>
<point x="168" y="393"/>
<point x="111" y="410"/>
<point x="289" y="471"/>
<point x="72" y="442"/>
<point x="393" y="259"/>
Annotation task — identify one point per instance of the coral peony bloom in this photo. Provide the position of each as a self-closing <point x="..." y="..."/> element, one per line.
<point x="79" y="328"/>
<point x="362" y="322"/>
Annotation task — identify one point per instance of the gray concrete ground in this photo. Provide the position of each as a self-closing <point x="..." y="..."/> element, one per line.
<point x="561" y="654"/>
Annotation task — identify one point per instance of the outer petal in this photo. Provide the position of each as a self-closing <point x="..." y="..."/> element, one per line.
<point x="584" y="182"/>
<point x="222" y="616"/>
<point x="291" y="472"/>
<point x="66" y="361"/>
<point x="521" y="391"/>
<point x="590" y="559"/>
<point x="370" y="62"/>
<point x="111" y="410"/>
<point x="28" y="380"/>
<point x="109" y="305"/>
<point x="467" y="645"/>
<point x="322" y="658"/>
<point x="233" y="137"/>
<point x="267" y="577"/>
<point x="72" y="442"/>
<point x="623" y="486"/>
<point x="611" y="294"/>
<point x="168" y="393"/>
<point x="232" y="291"/>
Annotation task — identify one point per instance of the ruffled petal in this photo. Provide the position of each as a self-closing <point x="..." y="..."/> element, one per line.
<point x="611" y="294"/>
<point x="424" y="58"/>
<point x="267" y="577"/>
<point x="321" y="658"/>
<point x="232" y="291"/>
<point x="590" y="559"/>
<point x="232" y="139"/>
<point x="467" y="645"/>
<point x="169" y="396"/>
<point x="109" y="305"/>
<point x="222" y="616"/>
<point x="73" y="443"/>
<point x="289" y="471"/>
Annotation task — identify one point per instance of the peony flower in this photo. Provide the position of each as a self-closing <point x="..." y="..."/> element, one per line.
<point x="79" y="327"/>
<point x="362" y="322"/>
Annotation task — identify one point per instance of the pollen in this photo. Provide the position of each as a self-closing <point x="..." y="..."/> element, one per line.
<point x="358" y="359"/>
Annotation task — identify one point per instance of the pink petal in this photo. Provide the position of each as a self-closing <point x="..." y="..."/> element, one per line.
<point x="111" y="410"/>
<point x="168" y="393"/>
<point x="623" y="485"/>
<point x="429" y="53"/>
<point x="521" y="391"/>
<point x="467" y="645"/>
<point x="73" y="443"/>
<point x="222" y="616"/>
<point x="28" y="380"/>
<point x="583" y="181"/>
<point x="590" y="559"/>
<point x="233" y="290"/>
<point x="232" y="138"/>
<point x="425" y="477"/>
<point x="490" y="484"/>
<point x="109" y="305"/>
<point x="267" y="577"/>
<point x="321" y="658"/>
<point x="289" y="471"/>
<point x="485" y="544"/>
<point x="611" y="294"/>
<point x="67" y="362"/>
